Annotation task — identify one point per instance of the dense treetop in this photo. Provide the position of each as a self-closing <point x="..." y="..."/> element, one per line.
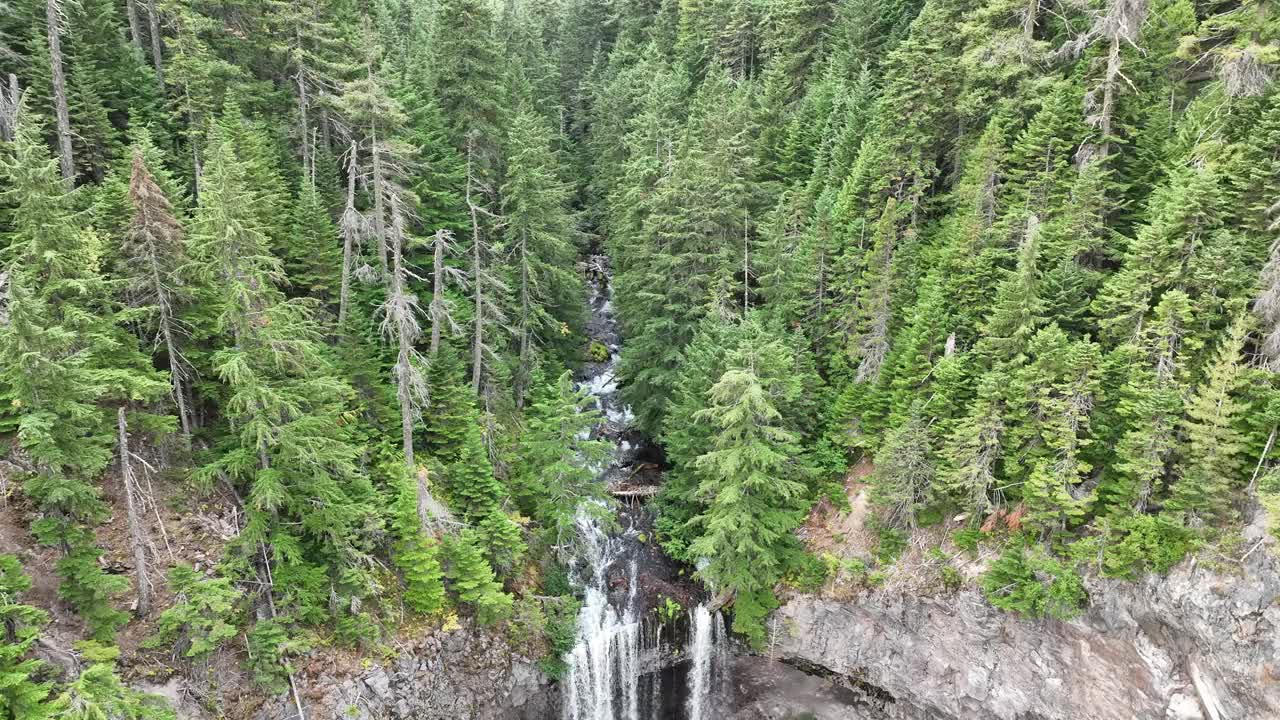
<point x="323" y="258"/>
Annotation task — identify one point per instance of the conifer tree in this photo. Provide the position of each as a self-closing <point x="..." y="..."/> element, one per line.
<point x="753" y="489"/>
<point x="548" y="290"/>
<point x="471" y="578"/>
<point x="66" y="358"/>
<point x="556" y="465"/>
<point x="23" y="695"/>
<point x="1214" y="455"/>
<point x="152" y="253"/>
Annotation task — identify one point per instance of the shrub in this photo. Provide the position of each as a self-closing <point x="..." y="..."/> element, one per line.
<point x="1034" y="583"/>
<point x="1146" y="543"/>
<point x="203" y="614"/>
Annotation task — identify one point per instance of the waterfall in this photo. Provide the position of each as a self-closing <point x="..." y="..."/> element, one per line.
<point x="612" y="649"/>
<point x="603" y="677"/>
<point x="707" y="655"/>
<point x="604" y="665"/>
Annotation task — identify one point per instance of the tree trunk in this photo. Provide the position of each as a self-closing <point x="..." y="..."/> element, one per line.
<point x="379" y="204"/>
<point x="437" y="292"/>
<point x="175" y="361"/>
<point x="135" y="24"/>
<point x="1029" y="19"/>
<point x="348" y="238"/>
<point x="303" y="120"/>
<point x="1108" y="100"/>
<point x="477" y="341"/>
<point x="404" y="342"/>
<point x="136" y="540"/>
<point x="66" y="161"/>
<point x="522" y="377"/>
<point x="9" y="108"/>
<point x="157" y="56"/>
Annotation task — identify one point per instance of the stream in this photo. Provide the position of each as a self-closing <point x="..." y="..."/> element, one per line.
<point x="626" y="665"/>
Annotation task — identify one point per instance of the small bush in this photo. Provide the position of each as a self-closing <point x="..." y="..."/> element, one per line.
<point x="668" y="610"/>
<point x="890" y="546"/>
<point x="808" y="573"/>
<point x="203" y="614"/>
<point x="1035" y="584"/>
<point x="1146" y="543"/>
<point x="968" y="539"/>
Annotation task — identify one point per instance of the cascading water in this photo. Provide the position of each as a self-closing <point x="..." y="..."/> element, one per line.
<point x="611" y="669"/>
<point x="707" y="655"/>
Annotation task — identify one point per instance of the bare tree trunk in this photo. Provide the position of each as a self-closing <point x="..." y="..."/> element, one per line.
<point x="437" y="292"/>
<point x="1030" y="17"/>
<point x="135" y="25"/>
<point x="522" y="377"/>
<point x="66" y="161"/>
<point x="176" y="370"/>
<point x="9" y="108"/>
<point x="404" y="371"/>
<point x="379" y="204"/>
<point x="157" y="56"/>
<point x="746" y="266"/>
<point x="348" y="237"/>
<point x="136" y="540"/>
<point x="477" y="341"/>
<point x="1109" y="99"/>
<point x="303" y="119"/>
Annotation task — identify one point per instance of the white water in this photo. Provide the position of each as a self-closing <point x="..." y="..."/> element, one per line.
<point x="707" y="652"/>
<point x="604" y="668"/>
<point x="603" y="676"/>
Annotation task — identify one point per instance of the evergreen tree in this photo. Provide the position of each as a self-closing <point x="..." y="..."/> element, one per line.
<point x="23" y="695"/>
<point x="471" y="578"/>
<point x="751" y="482"/>
<point x="1214" y="455"/>
<point x="66" y="358"/>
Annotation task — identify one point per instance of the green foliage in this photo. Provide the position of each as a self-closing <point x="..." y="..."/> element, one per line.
<point x="472" y="579"/>
<point x="22" y="692"/>
<point x="203" y="615"/>
<point x="98" y="692"/>
<point x="1033" y="583"/>
<point x="1145" y="543"/>
<point x="668" y="611"/>
<point x="272" y="645"/>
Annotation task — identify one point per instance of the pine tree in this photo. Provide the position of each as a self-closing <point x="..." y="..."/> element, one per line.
<point x="152" y="253"/>
<point x="66" y="358"/>
<point x="1151" y="407"/>
<point x="1213" y="461"/>
<point x="752" y="485"/>
<point x="556" y="464"/>
<point x="471" y="578"/>
<point x="23" y="695"/>
<point x="905" y="470"/>
<point x="548" y="291"/>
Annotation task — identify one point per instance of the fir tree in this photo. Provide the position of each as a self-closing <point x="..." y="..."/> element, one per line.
<point x="1213" y="461"/>
<point x="753" y="487"/>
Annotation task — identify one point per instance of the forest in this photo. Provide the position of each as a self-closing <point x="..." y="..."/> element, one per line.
<point x="327" y="262"/>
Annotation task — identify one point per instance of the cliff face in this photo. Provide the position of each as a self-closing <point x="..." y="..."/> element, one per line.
<point x="1197" y="643"/>
<point x="444" y="676"/>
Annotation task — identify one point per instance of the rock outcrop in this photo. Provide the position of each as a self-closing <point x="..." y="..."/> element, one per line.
<point x="470" y="674"/>
<point x="1199" y="642"/>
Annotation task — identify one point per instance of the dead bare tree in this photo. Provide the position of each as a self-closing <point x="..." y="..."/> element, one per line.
<point x="10" y="98"/>
<point x="157" y="55"/>
<point x="353" y="226"/>
<point x="487" y="311"/>
<point x="441" y="310"/>
<point x="53" y="21"/>
<point x="137" y="540"/>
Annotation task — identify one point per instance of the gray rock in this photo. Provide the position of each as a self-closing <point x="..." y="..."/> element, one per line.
<point x="1165" y="647"/>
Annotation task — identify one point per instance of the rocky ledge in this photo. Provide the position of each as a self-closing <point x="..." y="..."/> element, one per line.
<point x="445" y="675"/>
<point x="1198" y="643"/>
